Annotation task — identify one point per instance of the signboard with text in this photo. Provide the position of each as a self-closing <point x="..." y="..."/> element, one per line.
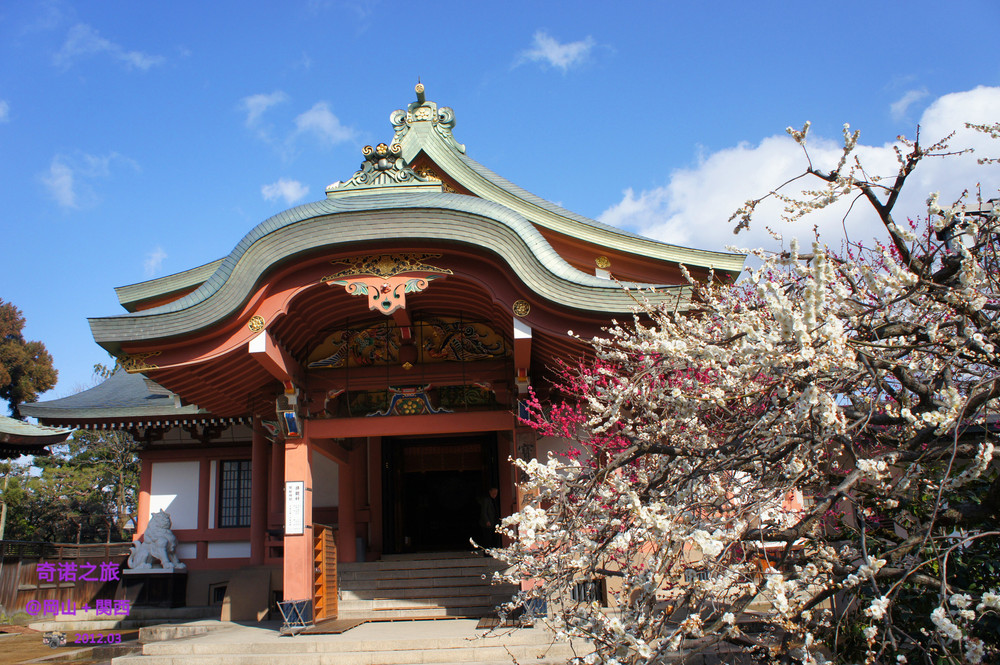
<point x="295" y="507"/>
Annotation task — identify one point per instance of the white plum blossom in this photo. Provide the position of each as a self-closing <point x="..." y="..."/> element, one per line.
<point x="781" y="444"/>
<point x="878" y="608"/>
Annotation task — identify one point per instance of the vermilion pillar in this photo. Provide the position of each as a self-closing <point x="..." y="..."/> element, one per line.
<point x="259" y="492"/>
<point x="298" y="564"/>
<point x="276" y="490"/>
<point x="346" y="523"/>
<point x="142" y="505"/>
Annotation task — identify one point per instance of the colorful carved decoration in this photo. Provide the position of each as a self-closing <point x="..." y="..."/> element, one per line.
<point x="256" y="323"/>
<point x="408" y="401"/>
<point x="461" y="341"/>
<point x="431" y="174"/>
<point x="386" y="265"/>
<point x="138" y="362"/>
<point x="271" y="429"/>
<point x="602" y="262"/>
<point x="521" y="307"/>
<point x="385" y="279"/>
<point x="441" y="339"/>
<point x="376" y="345"/>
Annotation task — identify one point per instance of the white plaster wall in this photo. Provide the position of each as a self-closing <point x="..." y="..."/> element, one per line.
<point x="326" y="482"/>
<point x="229" y="549"/>
<point x="187" y="551"/>
<point x="174" y="488"/>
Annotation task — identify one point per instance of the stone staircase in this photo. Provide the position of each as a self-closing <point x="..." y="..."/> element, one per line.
<point x="410" y="586"/>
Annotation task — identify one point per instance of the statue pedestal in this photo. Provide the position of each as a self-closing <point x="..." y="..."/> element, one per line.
<point x="155" y="587"/>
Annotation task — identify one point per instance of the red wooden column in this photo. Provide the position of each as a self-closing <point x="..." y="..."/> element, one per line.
<point x="346" y="522"/>
<point x="298" y="564"/>
<point x="259" y="494"/>
<point x="276" y="491"/>
<point x="375" y="492"/>
<point x="204" y="498"/>
<point x="142" y="505"/>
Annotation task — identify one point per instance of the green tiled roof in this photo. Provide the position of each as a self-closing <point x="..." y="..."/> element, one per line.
<point x="502" y="218"/>
<point x="335" y="223"/>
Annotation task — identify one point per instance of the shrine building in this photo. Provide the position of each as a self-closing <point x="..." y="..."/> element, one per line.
<point x="352" y="369"/>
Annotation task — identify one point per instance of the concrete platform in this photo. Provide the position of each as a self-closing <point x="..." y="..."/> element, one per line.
<point x="379" y="643"/>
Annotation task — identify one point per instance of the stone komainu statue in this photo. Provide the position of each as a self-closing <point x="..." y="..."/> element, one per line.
<point x="158" y="545"/>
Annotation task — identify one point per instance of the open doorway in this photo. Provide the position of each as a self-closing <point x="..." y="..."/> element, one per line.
<point x="432" y="490"/>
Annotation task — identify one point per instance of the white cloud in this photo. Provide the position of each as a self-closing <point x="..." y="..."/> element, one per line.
<point x="154" y="260"/>
<point x="4" y="111"/>
<point x="61" y="183"/>
<point x="256" y="105"/>
<point x="319" y="120"/>
<point x="69" y="179"/>
<point x="562" y="56"/>
<point x="289" y="190"/>
<point x="693" y="207"/>
<point x="83" y="40"/>
<point x="899" y="107"/>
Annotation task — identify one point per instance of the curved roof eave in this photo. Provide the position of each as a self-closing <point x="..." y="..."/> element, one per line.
<point x="483" y="182"/>
<point x="454" y="218"/>
<point x="132" y="294"/>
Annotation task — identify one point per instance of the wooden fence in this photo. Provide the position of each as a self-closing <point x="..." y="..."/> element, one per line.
<point x="70" y="574"/>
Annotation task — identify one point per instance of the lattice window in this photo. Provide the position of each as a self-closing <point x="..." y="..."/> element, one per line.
<point x="234" y="494"/>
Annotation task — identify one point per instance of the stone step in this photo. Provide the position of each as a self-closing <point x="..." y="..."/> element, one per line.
<point x="382" y="581"/>
<point x="385" y="565"/>
<point x="477" y="572"/>
<point x="415" y="603"/>
<point x="433" y="612"/>
<point x="559" y="654"/>
<point x="523" y="645"/>
<point x="443" y="591"/>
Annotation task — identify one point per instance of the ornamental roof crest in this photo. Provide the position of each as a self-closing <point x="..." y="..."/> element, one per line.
<point x="384" y="166"/>
<point x="442" y="119"/>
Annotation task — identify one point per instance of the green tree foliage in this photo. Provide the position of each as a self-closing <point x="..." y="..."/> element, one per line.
<point x="25" y="367"/>
<point x="84" y="492"/>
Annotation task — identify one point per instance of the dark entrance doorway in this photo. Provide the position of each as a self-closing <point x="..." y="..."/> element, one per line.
<point x="432" y="489"/>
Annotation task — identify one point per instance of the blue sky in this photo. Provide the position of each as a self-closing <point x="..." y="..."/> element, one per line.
<point x="142" y="139"/>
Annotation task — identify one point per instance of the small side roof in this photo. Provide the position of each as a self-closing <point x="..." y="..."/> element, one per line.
<point x="122" y="398"/>
<point x="20" y="438"/>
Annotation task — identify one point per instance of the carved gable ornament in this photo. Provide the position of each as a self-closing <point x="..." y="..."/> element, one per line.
<point x="383" y="167"/>
<point x="442" y="119"/>
<point x="385" y="279"/>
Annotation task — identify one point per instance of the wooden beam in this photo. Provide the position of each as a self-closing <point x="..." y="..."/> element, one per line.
<point x="441" y="423"/>
<point x="330" y="448"/>
<point x="438" y="374"/>
<point x="275" y="359"/>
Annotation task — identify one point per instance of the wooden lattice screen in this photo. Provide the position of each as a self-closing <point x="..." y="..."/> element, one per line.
<point x="325" y="578"/>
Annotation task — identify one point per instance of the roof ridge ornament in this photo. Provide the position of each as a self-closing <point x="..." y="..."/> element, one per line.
<point x="442" y="119"/>
<point x="384" y="166"/>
